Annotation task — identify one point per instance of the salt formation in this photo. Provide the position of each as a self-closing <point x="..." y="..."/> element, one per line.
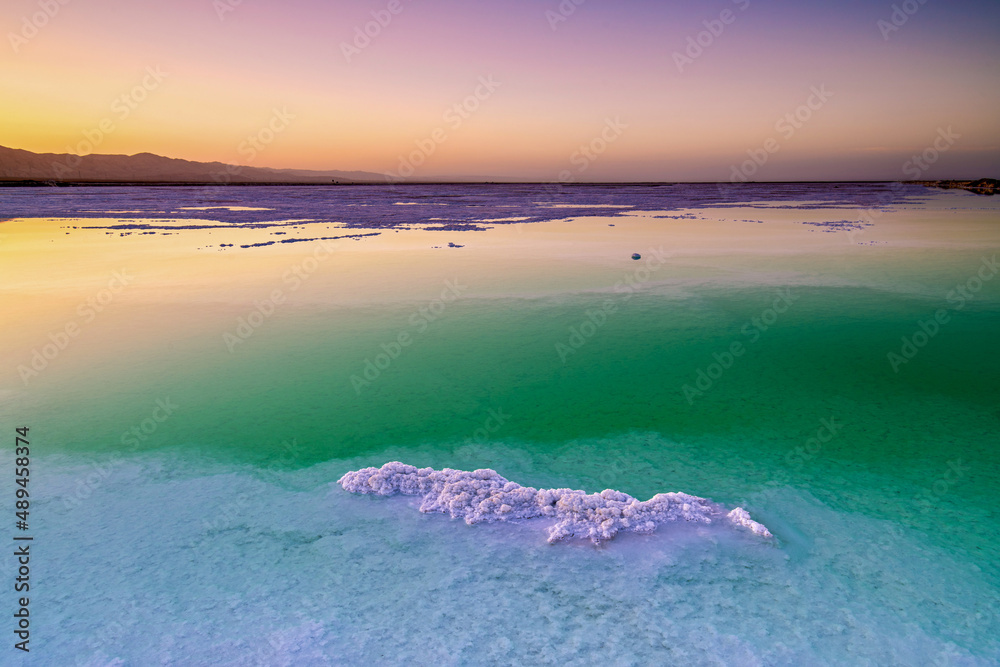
<point x="483" y="496"/>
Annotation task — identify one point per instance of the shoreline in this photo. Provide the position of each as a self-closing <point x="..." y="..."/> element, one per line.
<point x="31" y="182"/>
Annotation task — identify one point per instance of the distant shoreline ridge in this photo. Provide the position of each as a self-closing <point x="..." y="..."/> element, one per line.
<point x="21" y="168"/>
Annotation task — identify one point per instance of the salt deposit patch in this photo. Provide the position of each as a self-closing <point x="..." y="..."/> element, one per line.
<point x="484" y="496"/>
<point x="224" y="208"/>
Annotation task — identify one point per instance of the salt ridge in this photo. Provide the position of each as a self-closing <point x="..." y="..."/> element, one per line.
<point x="484" y="496"/>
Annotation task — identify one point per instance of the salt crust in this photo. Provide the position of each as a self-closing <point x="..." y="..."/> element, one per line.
<point x="483" y="496"/>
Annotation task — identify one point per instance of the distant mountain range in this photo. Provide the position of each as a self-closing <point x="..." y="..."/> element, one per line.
<point x="24" y="167"/>
<point x="20" y="166"/>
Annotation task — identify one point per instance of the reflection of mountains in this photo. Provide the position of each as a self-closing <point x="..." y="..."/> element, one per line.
<point x="20" y="165"/>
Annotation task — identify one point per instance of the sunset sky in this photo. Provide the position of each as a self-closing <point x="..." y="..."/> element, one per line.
<point x="619" y="76"/>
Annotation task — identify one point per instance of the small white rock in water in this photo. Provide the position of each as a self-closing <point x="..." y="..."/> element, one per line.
<point x="484" y="496"/>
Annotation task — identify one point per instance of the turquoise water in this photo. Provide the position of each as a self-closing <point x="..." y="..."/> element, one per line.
<point x="220" y="538"/>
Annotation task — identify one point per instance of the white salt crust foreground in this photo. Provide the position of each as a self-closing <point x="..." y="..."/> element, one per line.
<point x="483" y="496"/>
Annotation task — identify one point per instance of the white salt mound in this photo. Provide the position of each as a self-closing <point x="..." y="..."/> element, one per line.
<point x="484" y="496"/>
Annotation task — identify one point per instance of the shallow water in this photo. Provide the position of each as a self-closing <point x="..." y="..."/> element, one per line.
<point x="219" y="536"/>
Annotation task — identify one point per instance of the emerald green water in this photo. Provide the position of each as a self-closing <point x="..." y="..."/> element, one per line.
<point x="619" y="398"/>
<point x="221" y="525"/>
